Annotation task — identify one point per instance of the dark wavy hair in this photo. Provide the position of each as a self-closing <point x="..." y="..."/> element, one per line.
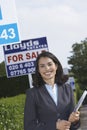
<point x="60" y="78"/>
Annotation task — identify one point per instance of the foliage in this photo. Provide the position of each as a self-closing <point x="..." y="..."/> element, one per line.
<point x="78" y="62"/>
<point x="12" y="113"/>
<point x="13" y="86"/>
<point x="2" y="69"/>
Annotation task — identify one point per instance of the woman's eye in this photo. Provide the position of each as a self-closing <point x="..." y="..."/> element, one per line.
<point x="41" y="66"/>
<point x="50" y="64"/>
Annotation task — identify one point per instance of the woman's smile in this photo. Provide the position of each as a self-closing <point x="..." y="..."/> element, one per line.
<point x="47" y="69"/>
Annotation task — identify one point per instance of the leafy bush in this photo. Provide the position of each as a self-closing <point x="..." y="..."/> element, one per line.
<point x="12" y="113"/>
<point x="79" y="93"/>
<point x="13" y="86"/>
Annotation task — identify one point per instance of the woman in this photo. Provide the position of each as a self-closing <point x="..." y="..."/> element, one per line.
<point x="50" y="103"/>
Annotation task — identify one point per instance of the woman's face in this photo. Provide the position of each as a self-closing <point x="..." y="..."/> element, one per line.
<point x="47" y="68"/>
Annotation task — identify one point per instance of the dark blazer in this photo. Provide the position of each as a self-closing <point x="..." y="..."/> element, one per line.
<point x="41" y="112"/>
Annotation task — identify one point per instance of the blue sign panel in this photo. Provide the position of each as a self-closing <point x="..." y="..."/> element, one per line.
<point x="0" y="14"/>
<point x="9" y="33"/>
<point x="20" y="57"/>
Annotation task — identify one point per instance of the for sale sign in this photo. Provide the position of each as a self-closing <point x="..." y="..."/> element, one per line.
<point x="9" y="32"/>
<point x="20" y="57"/>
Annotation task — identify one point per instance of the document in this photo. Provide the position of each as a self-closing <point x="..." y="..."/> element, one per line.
<point x="78" y="105"/>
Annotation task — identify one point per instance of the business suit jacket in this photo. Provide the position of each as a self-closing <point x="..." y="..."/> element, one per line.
<point x="41" y="112"/>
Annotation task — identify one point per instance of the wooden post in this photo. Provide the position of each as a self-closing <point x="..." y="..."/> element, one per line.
<point x="30" y="80"/>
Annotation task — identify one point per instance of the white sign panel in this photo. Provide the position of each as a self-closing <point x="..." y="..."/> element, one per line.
<point x="8" y="22"/>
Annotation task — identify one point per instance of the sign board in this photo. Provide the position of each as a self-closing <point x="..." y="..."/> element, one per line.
<point x="20" y="57"/>
<point x="0" y="13"/>
<point x="71" y="81"/>
<point x="8" y="22"/>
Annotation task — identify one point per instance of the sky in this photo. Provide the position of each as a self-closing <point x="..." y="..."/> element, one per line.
<point x="62" y="22"/>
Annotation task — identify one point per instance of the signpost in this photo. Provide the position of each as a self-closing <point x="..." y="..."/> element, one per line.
<point x="9" y="32"/>
<point x="71" y="81"/>
<point x="20" y="57"/>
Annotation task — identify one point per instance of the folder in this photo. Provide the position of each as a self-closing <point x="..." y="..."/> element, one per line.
<point x="78" y="105"/>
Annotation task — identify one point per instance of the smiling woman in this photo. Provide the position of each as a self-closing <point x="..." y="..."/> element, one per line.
<point x="49" y="104"/>
<point x="47" y="70"/>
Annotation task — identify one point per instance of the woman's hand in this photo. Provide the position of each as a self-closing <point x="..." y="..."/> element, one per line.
<point x="63" y="125"/>
<point x="74" y="116"/>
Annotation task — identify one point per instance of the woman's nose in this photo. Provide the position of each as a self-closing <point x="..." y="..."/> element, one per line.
<point x="46" y="67"/>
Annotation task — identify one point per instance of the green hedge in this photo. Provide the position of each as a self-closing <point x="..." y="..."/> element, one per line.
<point x="12" y="113"/>
<point x="13" y="86"/>
<point x="79" y="93"/>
